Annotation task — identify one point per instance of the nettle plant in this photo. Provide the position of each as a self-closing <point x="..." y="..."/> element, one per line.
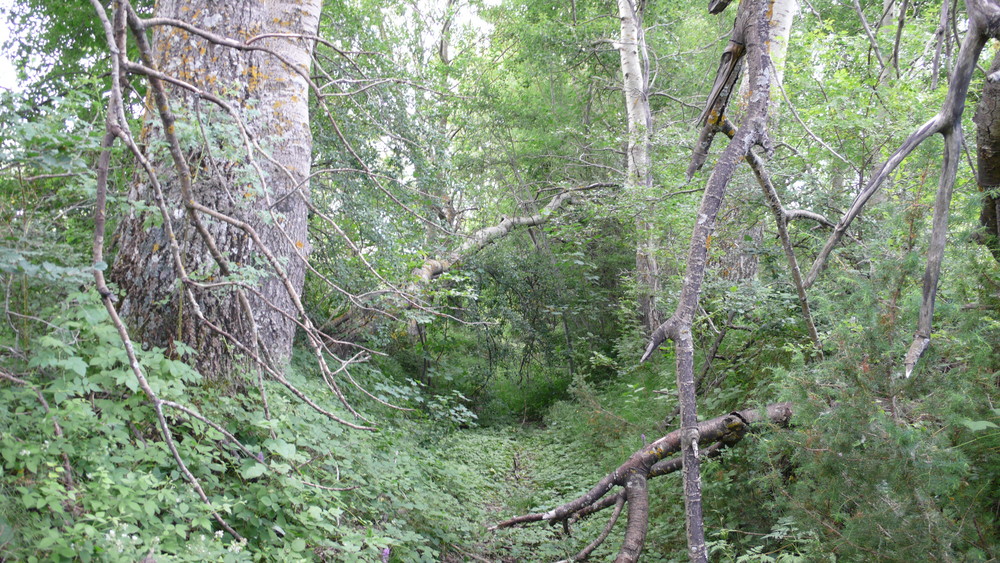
<point x="85" y="475"/>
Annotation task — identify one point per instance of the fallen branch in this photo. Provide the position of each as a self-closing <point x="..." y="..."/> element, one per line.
<point x="432" y="268"/>
<point x="651" y="461"/>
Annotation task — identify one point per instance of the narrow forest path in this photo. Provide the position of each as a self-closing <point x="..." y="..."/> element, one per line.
<point x="515" y="470"/>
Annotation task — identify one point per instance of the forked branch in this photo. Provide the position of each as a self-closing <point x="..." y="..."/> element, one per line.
<point x="984" y="24"/>
<point x="651" y="461"/>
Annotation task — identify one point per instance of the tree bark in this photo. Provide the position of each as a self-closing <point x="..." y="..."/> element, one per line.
<point x="638" y="176"/>
<point x="780" y="15"/>
<point x="637" y="495"/>
<point x="987" y="121"/>
<point x="271" y="94"/>
<point x="752" y="17"/>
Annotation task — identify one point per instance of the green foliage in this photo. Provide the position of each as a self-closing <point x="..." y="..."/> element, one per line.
<point x="528" y="390"/>
<point x="128" y="498"/>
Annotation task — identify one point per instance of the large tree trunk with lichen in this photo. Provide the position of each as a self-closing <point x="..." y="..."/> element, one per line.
<point x="219" y="259"/>
<point x="988" y="148"/>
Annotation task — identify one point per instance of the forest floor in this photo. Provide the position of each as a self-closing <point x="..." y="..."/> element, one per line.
<point x="518" y="470"/>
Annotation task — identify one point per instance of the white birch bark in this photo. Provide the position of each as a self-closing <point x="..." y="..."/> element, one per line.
<point x="638" y="178"/>
<point x="781" y="15"/>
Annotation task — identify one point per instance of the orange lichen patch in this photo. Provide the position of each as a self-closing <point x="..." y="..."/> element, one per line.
<point x="299" y="244"/>
<point x="156" y="247"/>
<point x="254" y="77"/>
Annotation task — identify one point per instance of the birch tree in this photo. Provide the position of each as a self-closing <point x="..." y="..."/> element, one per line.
<point x="638" y="175"/>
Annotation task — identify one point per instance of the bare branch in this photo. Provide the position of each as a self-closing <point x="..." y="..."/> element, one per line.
<point x="482" y="238"/>
<point x="781" y="222"/>
<point x="585" y="552"/>
<point x="871" y="36"/>
<point x="654" y="460"/>
<point x="115" y="36"/>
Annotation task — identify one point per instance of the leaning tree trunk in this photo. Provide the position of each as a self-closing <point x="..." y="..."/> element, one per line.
<point x="263" y="78"/>
<point x="736" y="263"/>
<point x="751" y="23"/>
<point x="639" y="176"/>
<point x="988" y="148"/>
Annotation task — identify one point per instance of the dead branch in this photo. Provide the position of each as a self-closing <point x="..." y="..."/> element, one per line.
<point x="115" y="36"/>
<point x="781" y="218"/>
<point x="585" y="552"/>
<point x="752" y="132"/>
<point x="660" y="468"/>
<point x="984" y="23"/>
<point x="652" y="461"/>
<point x="637" y="498"/>
<point x="432" y="268"/>
<point x="712" y="118"/>
<point x="871" y="36"/>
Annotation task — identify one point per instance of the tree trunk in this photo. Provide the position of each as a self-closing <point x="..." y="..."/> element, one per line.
<point x="988" y="149"/>
<point x="736" y="263"/>
<point x="751" y="21"/>
<point x="639" y="177"/>
<point x="272" y="99"/>
<point x="781" y="14"/>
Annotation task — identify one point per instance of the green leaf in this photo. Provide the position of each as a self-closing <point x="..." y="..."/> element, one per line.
<point x="252" y="469"/>
<point x="281" y="468"/>
<point x="977" y="425"/>
<point x="298" y="544"/>
<point x="281" y="447"/>
<point x="75" y="364"/>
